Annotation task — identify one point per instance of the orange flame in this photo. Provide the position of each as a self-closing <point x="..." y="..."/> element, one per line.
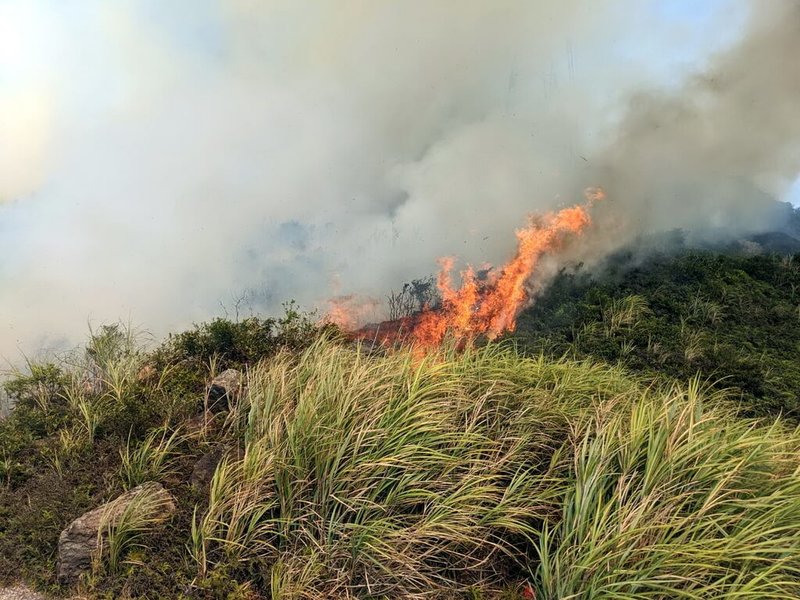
<point x="487" y="308"/>
<point x="349" y="311"/>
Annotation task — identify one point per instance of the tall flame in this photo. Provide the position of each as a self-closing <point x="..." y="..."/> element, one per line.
<point x="487" y="307"/>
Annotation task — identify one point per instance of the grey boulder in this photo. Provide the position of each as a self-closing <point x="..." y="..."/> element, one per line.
<point x="78" y="543"/>
<point x="204" y="468"/>
<point x="225" y="389"/>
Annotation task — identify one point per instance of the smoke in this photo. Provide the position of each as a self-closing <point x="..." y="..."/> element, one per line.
<point x="717" y="152"/>
<point x="158" y="159"/>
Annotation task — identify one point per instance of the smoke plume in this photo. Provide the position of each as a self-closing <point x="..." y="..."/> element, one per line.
<point x="158" y="160"/>
<point x="717" y="152"/>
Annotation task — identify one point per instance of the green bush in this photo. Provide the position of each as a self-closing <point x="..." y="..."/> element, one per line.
<point x="734" y="319"/>
<point x="236" y="343"/>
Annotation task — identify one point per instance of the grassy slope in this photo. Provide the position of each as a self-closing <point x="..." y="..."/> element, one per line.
<point x="734" y="318"/>
<point x="351" y="475"/>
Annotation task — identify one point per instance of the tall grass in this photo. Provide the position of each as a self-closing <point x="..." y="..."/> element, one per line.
<point x="90" y="409"/>
<point x="668" y="498"/>
<point x="403" y="477"/>
<point x="624" y="313"/>
<point x="394" y="476"/>
<point x="150" y="459"/>
<point x="122" y="530"/>
<point x="348" y="474"/>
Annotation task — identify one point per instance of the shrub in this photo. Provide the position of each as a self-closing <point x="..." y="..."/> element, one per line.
<point x="236" y="343"/>
<point x="734" y="319"/>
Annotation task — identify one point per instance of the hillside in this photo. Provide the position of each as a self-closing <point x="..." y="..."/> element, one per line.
<point x="269" y="459"/>
<point x="734" y="318"/>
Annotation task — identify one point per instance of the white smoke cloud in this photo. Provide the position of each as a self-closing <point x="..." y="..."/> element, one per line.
<point x="176" y="154"/>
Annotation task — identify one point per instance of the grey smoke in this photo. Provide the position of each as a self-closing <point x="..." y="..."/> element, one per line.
<point x="717" y="152"/>
<point x="301" y="153"/>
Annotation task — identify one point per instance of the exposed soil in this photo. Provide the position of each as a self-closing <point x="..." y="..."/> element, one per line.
<point x="19" y="592"/>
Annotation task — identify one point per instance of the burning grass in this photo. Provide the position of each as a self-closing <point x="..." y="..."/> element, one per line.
<point x="478" y="307"/>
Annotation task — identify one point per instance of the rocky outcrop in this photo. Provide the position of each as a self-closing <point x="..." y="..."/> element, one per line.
<point x="78" y="543"/>
<point x="204" y="468"/>
<point x="224" y="390"/>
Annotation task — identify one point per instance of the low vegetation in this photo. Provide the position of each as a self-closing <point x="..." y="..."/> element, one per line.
<point x="352" y="474"/>
<point x="733" y="318"/>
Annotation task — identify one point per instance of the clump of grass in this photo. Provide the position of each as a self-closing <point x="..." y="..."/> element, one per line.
<point x="6" y="469"/>
<point x="624" y="314"/>
<point x="123" y="530"/>
<point x="396" y="476"/>
<point x="694" y="341"/>
<point x="90" y="410"/>
<point x="669" y="498"/>
<point x="402" y="475"/>
<point x="705" y="311"/>
<point x="149" y="460"/>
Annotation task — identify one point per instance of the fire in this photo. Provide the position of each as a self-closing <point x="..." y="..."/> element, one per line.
<point x="486" y="308"/>
<point x="349" y="311"/>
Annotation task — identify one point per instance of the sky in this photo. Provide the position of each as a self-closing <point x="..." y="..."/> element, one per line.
<point x="159" y="160"/>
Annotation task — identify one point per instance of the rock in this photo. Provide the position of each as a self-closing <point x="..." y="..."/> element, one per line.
<point x="204" y="468"/>
<point x="224" y="390"/>
<point x="78" y="542"/>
